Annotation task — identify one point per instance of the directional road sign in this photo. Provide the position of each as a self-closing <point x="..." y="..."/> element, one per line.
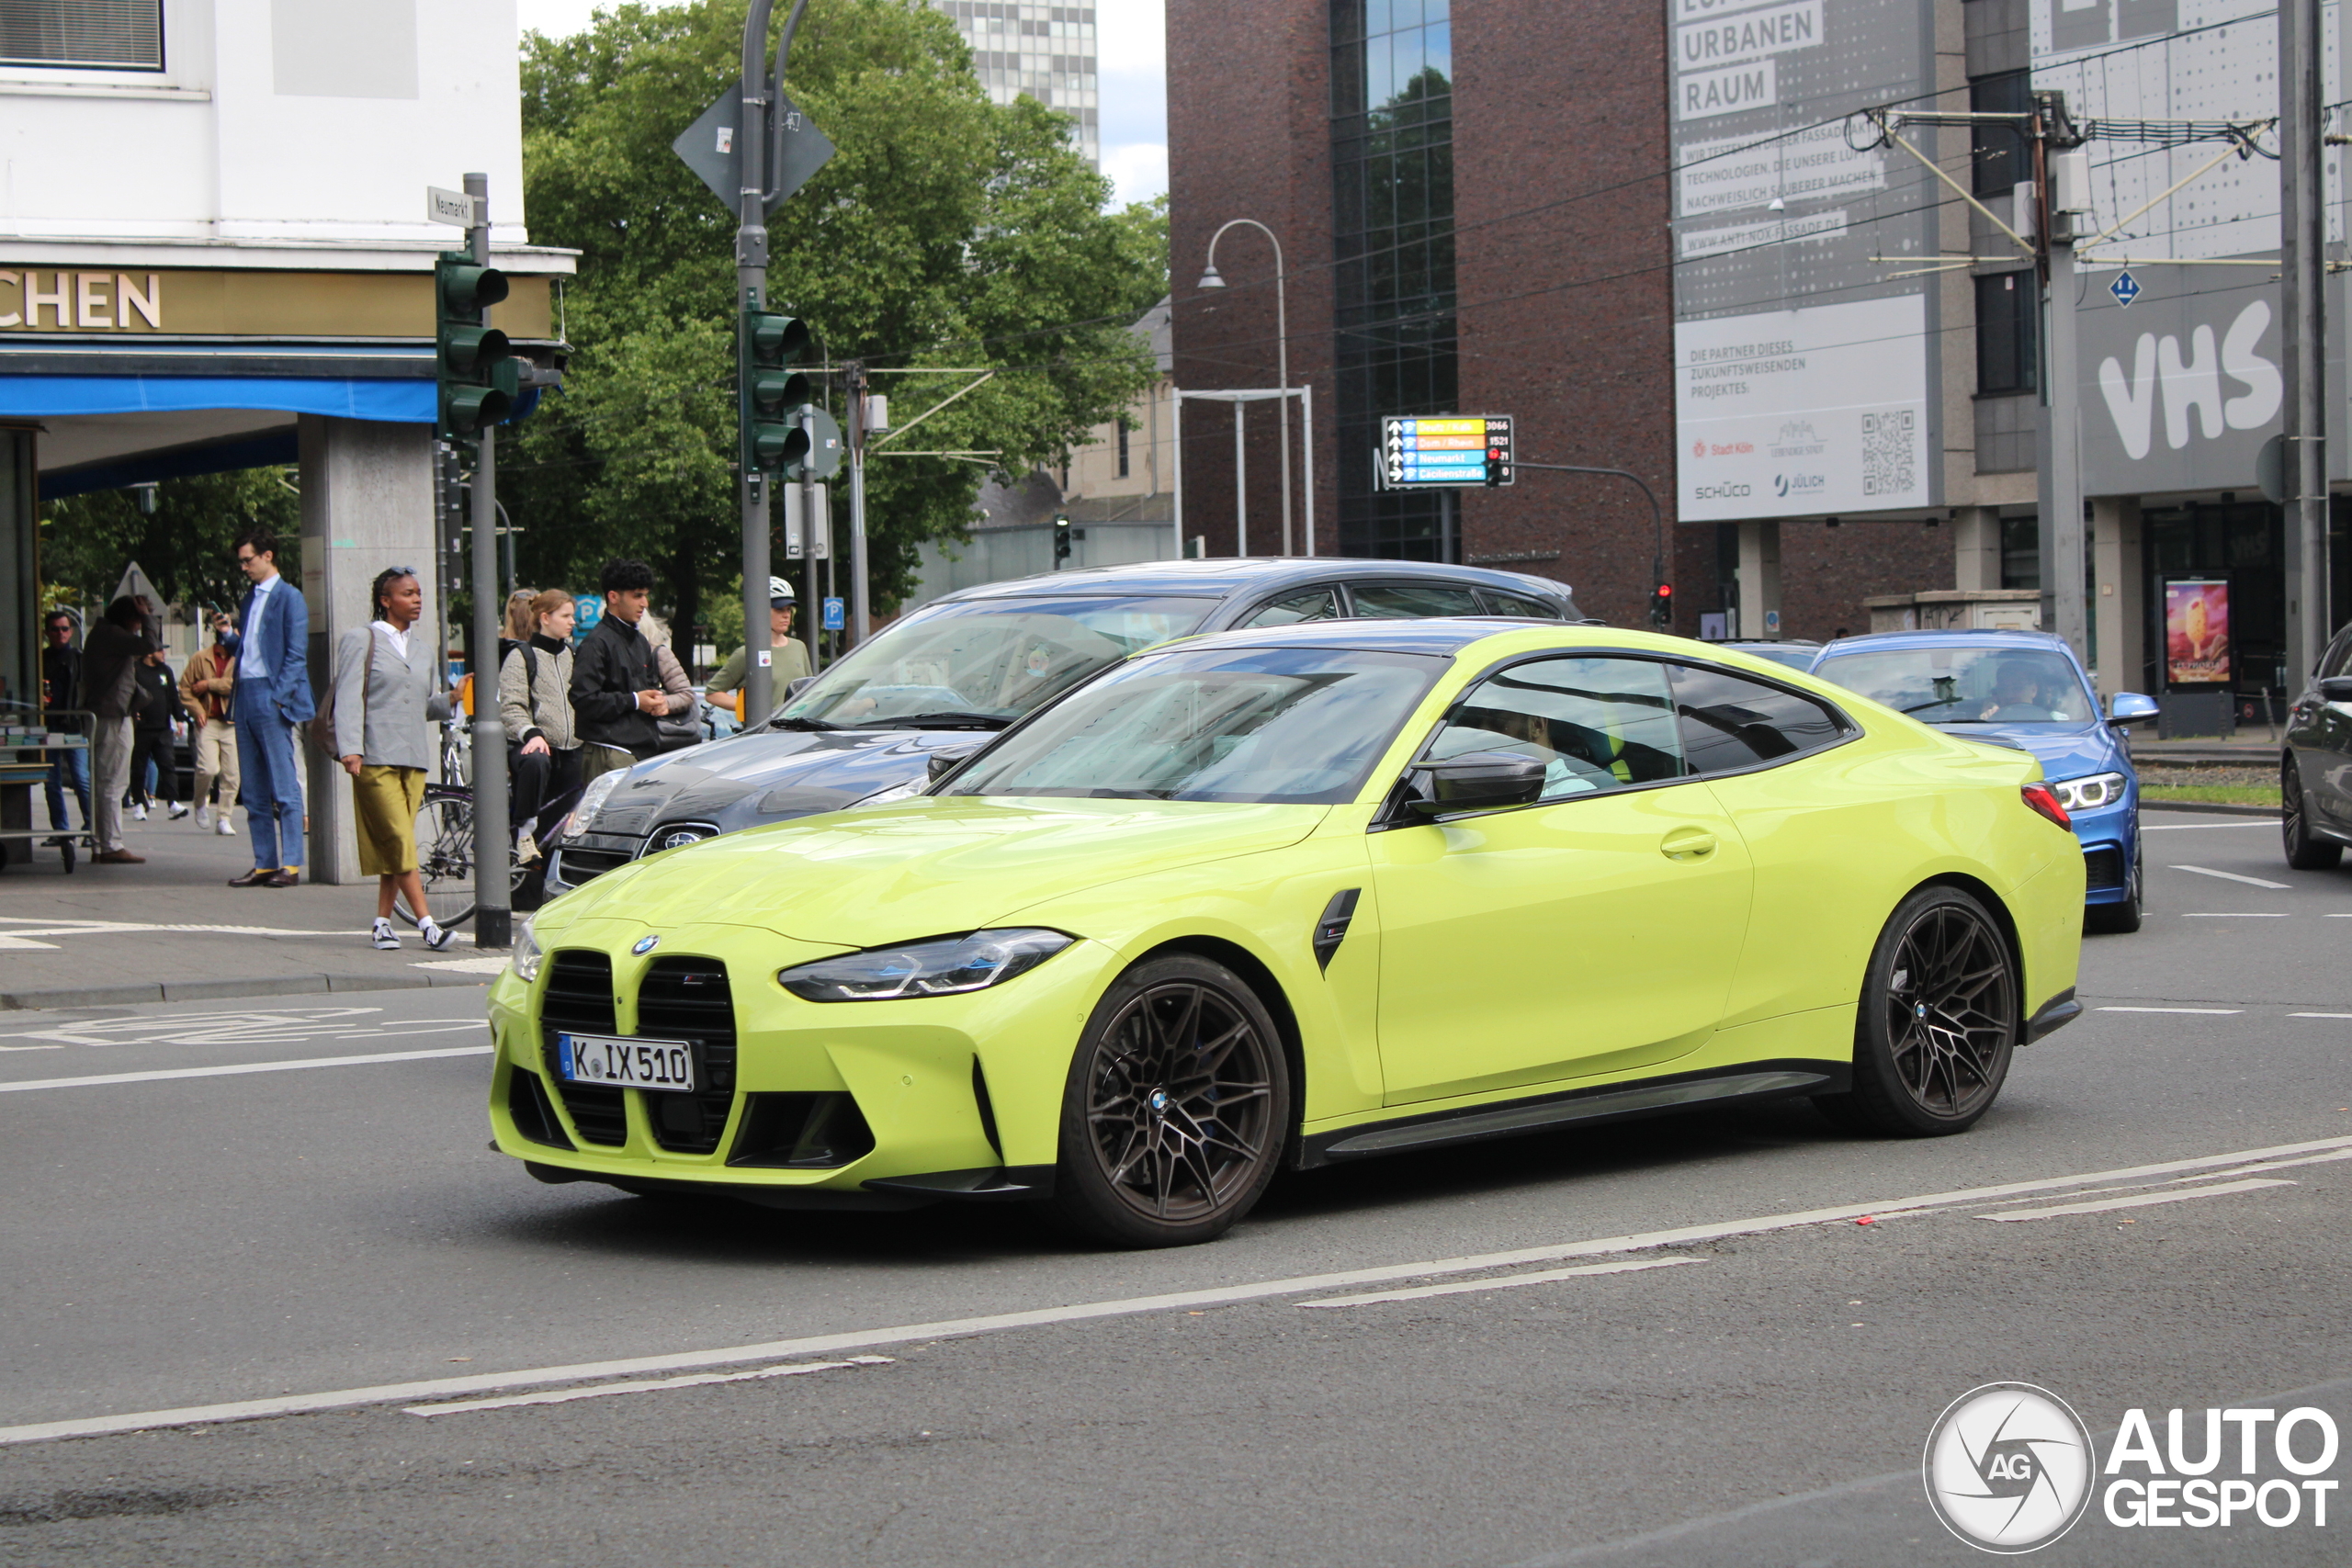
<point x="711" y="146"/>
<point x="1420" y="452"/>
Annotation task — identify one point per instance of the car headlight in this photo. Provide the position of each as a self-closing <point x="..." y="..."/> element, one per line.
<point x="599" y="790"/>
<point x="943" y="967"/>
<point x="527" y="956"/>
<point x="2090" y="793"/>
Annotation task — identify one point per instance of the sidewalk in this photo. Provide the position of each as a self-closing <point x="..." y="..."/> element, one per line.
<point x="174" y="931"/>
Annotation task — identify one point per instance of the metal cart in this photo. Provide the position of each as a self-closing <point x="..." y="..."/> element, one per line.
<point x="24" y="768"/>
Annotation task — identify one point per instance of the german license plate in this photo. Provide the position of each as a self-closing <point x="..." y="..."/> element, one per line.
<point x="664" y="1064"/>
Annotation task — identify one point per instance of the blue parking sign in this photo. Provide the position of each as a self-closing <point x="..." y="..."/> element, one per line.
<point x="834" y="620"/>
<point x="587" y="609"/>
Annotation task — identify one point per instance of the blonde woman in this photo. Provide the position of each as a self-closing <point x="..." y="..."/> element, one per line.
<point x="535" y="704"/>
<point x="384" y="701"/>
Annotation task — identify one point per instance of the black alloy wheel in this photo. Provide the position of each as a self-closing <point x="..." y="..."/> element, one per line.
<point x="2304" y="851"/>
<point x="1177" y="1107"/>
<point x="1937" y="1021"/>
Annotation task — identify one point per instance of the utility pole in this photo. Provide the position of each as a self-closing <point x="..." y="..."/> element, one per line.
<point x="2062" y="178"/>
<point x="2302" y="256"/>
<point x="494" y="841"/>
<point x="750" y="295"/>
<point x="861" y="616"/>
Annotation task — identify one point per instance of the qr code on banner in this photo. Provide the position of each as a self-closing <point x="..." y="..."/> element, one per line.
<point x="1887" y="461"/>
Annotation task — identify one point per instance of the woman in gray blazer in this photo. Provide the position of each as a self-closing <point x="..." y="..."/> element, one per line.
<point x="384" y="702"/>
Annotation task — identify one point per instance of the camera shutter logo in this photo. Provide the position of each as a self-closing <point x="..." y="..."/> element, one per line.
<point x="2009" y="1468"/>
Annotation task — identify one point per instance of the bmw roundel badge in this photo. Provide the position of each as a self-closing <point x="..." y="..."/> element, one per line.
<point x="646" y="945"/>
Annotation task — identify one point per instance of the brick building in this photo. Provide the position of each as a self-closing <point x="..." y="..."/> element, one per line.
<point x="1475" y="211"/>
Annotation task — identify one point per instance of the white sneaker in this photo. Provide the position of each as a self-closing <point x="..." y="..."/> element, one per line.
<point x="204" y="816"/>
<point x="435" y="938"/>
<point x="526" y="849"/>
<point x="384" y="937"/>
<point x="226" y="828"/>
<point x="138" y="814"/>
<point x="177" y="811"/>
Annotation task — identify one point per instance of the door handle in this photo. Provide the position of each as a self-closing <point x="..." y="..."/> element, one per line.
<point x="1687" y="844"/>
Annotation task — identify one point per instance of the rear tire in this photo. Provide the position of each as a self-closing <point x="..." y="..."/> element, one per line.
<point x="1177" y="1107"/>
<point x="2304" y="851"/>
<point x="1937" y="1021"/>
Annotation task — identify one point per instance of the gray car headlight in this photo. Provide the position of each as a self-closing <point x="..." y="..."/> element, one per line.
<point x="944" y="966"/>
<point x="599" y="790"/>
<point x="526" y="955"/>
<point x="2089" y="793"/>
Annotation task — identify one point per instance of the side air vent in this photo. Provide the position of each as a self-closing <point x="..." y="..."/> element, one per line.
<point x="807" y="1132"/>
<point x="526" y="1105"/>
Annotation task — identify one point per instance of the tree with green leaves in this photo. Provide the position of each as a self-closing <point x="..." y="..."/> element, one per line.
<point x="947" y="232"/>
<point x="185" y="545"/>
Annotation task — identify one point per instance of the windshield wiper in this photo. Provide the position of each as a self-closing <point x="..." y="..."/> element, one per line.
<point x="944" y="719"/>
<point x="1939" y="703"/>
<point x="803" y="724"/>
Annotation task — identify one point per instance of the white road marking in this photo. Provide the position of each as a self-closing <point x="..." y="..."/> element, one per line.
<point x="244" y="1068"/>
<point x="2269" y="1164"/>
<point x="2320" y="1015"/>
<point x="2185" y="826"/>
<point x="244" y="1026"/>
<point x="118" y="928"/>
<point x="2216" y="1012"/>
<point x="465" y="965"/>
<point x="2232" y="876"/>
<point x="1419" y="1292"/>
<point x="2140" y="1200"/>
<point x="1082" y="1312"/>
<point x="2232" y="915"/>
<point x="644" y="1385"/>
<point x="10" y="942"/>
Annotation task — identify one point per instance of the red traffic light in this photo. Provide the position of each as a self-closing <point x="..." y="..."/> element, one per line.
<point x="1666" y="591"/>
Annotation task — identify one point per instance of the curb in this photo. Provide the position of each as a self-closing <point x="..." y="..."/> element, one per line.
<point x="2218" y="810"/>
<point x="211" y="990"/>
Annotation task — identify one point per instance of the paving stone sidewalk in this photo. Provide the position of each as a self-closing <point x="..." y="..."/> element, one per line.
<point x="174" y="931"/>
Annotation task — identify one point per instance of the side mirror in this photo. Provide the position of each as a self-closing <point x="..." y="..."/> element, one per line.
<point x="2337" y="688"/>
<point x="1476" y="781"/>
<point x="945" y="760"/>
<point x="2130" y="708"/>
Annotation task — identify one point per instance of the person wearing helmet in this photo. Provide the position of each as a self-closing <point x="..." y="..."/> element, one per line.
<point x="791" y="660"/>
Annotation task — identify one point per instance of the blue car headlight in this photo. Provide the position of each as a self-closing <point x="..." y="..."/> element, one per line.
<point x="943" y="967"/>
<point x="2089" y="793"/>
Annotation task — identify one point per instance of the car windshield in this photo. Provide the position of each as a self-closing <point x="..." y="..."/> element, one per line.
<point x="1967" y="685"/>
<point x="983" y="663"/>
<point x="1298" y="725"/>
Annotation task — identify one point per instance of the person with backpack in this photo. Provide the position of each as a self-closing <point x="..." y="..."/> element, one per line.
<point x="383" y="701"/>
<point x="155" y="759"/>
<point x="206" y="684"/>
<point x="117" y="647"/>
<point x="535" y="706"/>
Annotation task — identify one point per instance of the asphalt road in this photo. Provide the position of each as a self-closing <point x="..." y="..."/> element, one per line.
<point x="178" y="1238"/>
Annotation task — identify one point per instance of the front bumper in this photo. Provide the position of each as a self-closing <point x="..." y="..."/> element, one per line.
<point x="797" y="1104"/>
<point x="2110" y="840"/>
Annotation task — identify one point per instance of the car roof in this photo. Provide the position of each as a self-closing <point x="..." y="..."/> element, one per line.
<point x="1442" y="635"/>
<point x="1221" y="577"/>
<point x="1957" y="638"/>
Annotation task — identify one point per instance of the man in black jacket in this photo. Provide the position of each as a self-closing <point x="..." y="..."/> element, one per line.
<point x="615" y="690"/>
<point x="61" y="674"/>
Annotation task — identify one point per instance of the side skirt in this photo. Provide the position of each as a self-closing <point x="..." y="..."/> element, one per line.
<point x="1751" y="1083"/>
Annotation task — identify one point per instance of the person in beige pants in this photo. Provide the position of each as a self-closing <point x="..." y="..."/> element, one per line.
<point x="206" y="682"/>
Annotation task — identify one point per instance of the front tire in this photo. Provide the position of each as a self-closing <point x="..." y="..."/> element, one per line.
<point x="1177" y="1107"/>
<point x="1937" y="1021"/>
<point x="2304" y="851"/>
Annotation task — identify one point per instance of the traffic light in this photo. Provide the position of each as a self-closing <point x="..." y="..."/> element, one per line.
<point x="822" y="459"/>
<point x="771" y="393"/>
<point x="1061" y="538"/>
<point x="1494" y="470"/>
<point x="1662" y="604"/>
<point x="472" y="363"/>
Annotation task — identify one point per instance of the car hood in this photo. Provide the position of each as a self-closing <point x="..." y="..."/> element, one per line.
<point x="2064" y="753"/>
<point x="924" y="866"/>
<point x="771" y="774"/>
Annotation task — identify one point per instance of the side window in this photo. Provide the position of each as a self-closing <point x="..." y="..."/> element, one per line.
<point x="1411" y="601"/>
<point x="1729" y="722"/>
<point x="1595" y="724"/>
<point x="1512" y="605"/>
<point x="1316" y="605"/>
<point x="2339" y="658"/>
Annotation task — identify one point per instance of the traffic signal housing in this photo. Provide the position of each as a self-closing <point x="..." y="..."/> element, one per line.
<point x="473" y="364"/>
<point x="1061" y="538"/>
<point x="1662" y="604"/>
<point x="771" y="392"/>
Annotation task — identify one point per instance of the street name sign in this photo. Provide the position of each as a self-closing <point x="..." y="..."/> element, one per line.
<point x="451" y="207"/>
<point x="1438" y="451"/>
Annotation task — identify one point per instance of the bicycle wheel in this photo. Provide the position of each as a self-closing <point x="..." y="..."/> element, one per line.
<point x="444" y="857"/>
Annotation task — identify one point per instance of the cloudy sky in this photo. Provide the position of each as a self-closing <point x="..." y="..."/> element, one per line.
<point x="1133" y="36"/>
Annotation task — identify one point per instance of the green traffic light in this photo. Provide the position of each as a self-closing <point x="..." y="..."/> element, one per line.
<point x="775" y="340"/>
<point x="773" y="391"/>
<point x="468" y="289"/>
<point x="469" y="351"/>
<point x="466" y="410"/>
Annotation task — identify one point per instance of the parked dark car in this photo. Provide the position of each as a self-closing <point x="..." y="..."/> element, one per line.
<point x="2315" y="773"/>
<point x="972" y="662"/>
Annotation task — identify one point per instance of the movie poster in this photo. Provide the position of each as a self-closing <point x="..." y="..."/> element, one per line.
<point x="2196" y="633"/>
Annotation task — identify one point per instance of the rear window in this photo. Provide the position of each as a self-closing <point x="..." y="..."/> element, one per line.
<point x="1412" y="602"/>
<point x="1729" y="722"/>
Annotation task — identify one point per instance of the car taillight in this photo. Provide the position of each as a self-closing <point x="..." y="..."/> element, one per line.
<point x="2039" y="797"/>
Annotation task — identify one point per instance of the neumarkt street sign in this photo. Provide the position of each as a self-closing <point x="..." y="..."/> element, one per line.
<point x="710" y="148"/>
<point x="453" y="207"/>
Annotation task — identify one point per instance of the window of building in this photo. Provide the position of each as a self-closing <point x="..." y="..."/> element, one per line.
<point x="2020" y="552"/>
<point x="1123" y="448"/>
<point x="106" y="35"/>
<point x="2008" y="311"/>
<point x="1392" y="164"/>
<point x="1999" y="152"/>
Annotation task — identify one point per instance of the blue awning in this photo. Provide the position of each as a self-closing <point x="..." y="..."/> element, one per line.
<point x="56" y="396"/>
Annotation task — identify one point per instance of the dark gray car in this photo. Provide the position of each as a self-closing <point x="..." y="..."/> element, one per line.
<point x="969" y="664"/>
<point x="2315" y="774"/>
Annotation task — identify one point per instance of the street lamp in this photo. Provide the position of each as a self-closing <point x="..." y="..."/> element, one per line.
<point x="1210" y="279"/>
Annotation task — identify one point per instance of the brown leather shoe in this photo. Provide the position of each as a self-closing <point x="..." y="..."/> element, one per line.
<point x="256" y="878"/>
<point x="282" y="878"/>
<point x="117" y="857"/>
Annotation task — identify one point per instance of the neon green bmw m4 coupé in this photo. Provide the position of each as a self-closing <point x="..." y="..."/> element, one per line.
<point x="1298" y="895"/>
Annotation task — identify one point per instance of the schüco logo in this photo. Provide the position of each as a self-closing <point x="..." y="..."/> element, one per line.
<point x="1722" y="492"/>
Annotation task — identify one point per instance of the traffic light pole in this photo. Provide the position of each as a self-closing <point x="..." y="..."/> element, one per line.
<point x="1657" y="516"/>
<point x="751" y="290"/>
<point x="861" y="612"/>
<point x="493" y="840"/>
<point x="2303" y="257"/>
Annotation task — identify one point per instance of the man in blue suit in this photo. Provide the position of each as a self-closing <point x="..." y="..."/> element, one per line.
<point x="271" y="695"/>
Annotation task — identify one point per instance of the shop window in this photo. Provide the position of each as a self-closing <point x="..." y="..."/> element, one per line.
<point x="2007" y="311"/>
<point x="1999" y="152"/>
<point x="1123" y="448"/>
<point x="104" y="35"/>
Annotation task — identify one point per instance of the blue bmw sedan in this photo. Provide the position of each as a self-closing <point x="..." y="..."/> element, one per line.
<point x="2023" y="690"/>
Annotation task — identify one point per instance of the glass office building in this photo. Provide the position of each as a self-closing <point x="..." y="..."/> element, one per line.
<point x="1392" y="167"/>
<point x="1045" y="52"/>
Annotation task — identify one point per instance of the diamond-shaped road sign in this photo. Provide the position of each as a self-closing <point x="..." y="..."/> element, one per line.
<point x="2125" y="289"/>
<point x="711" y="146"/>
